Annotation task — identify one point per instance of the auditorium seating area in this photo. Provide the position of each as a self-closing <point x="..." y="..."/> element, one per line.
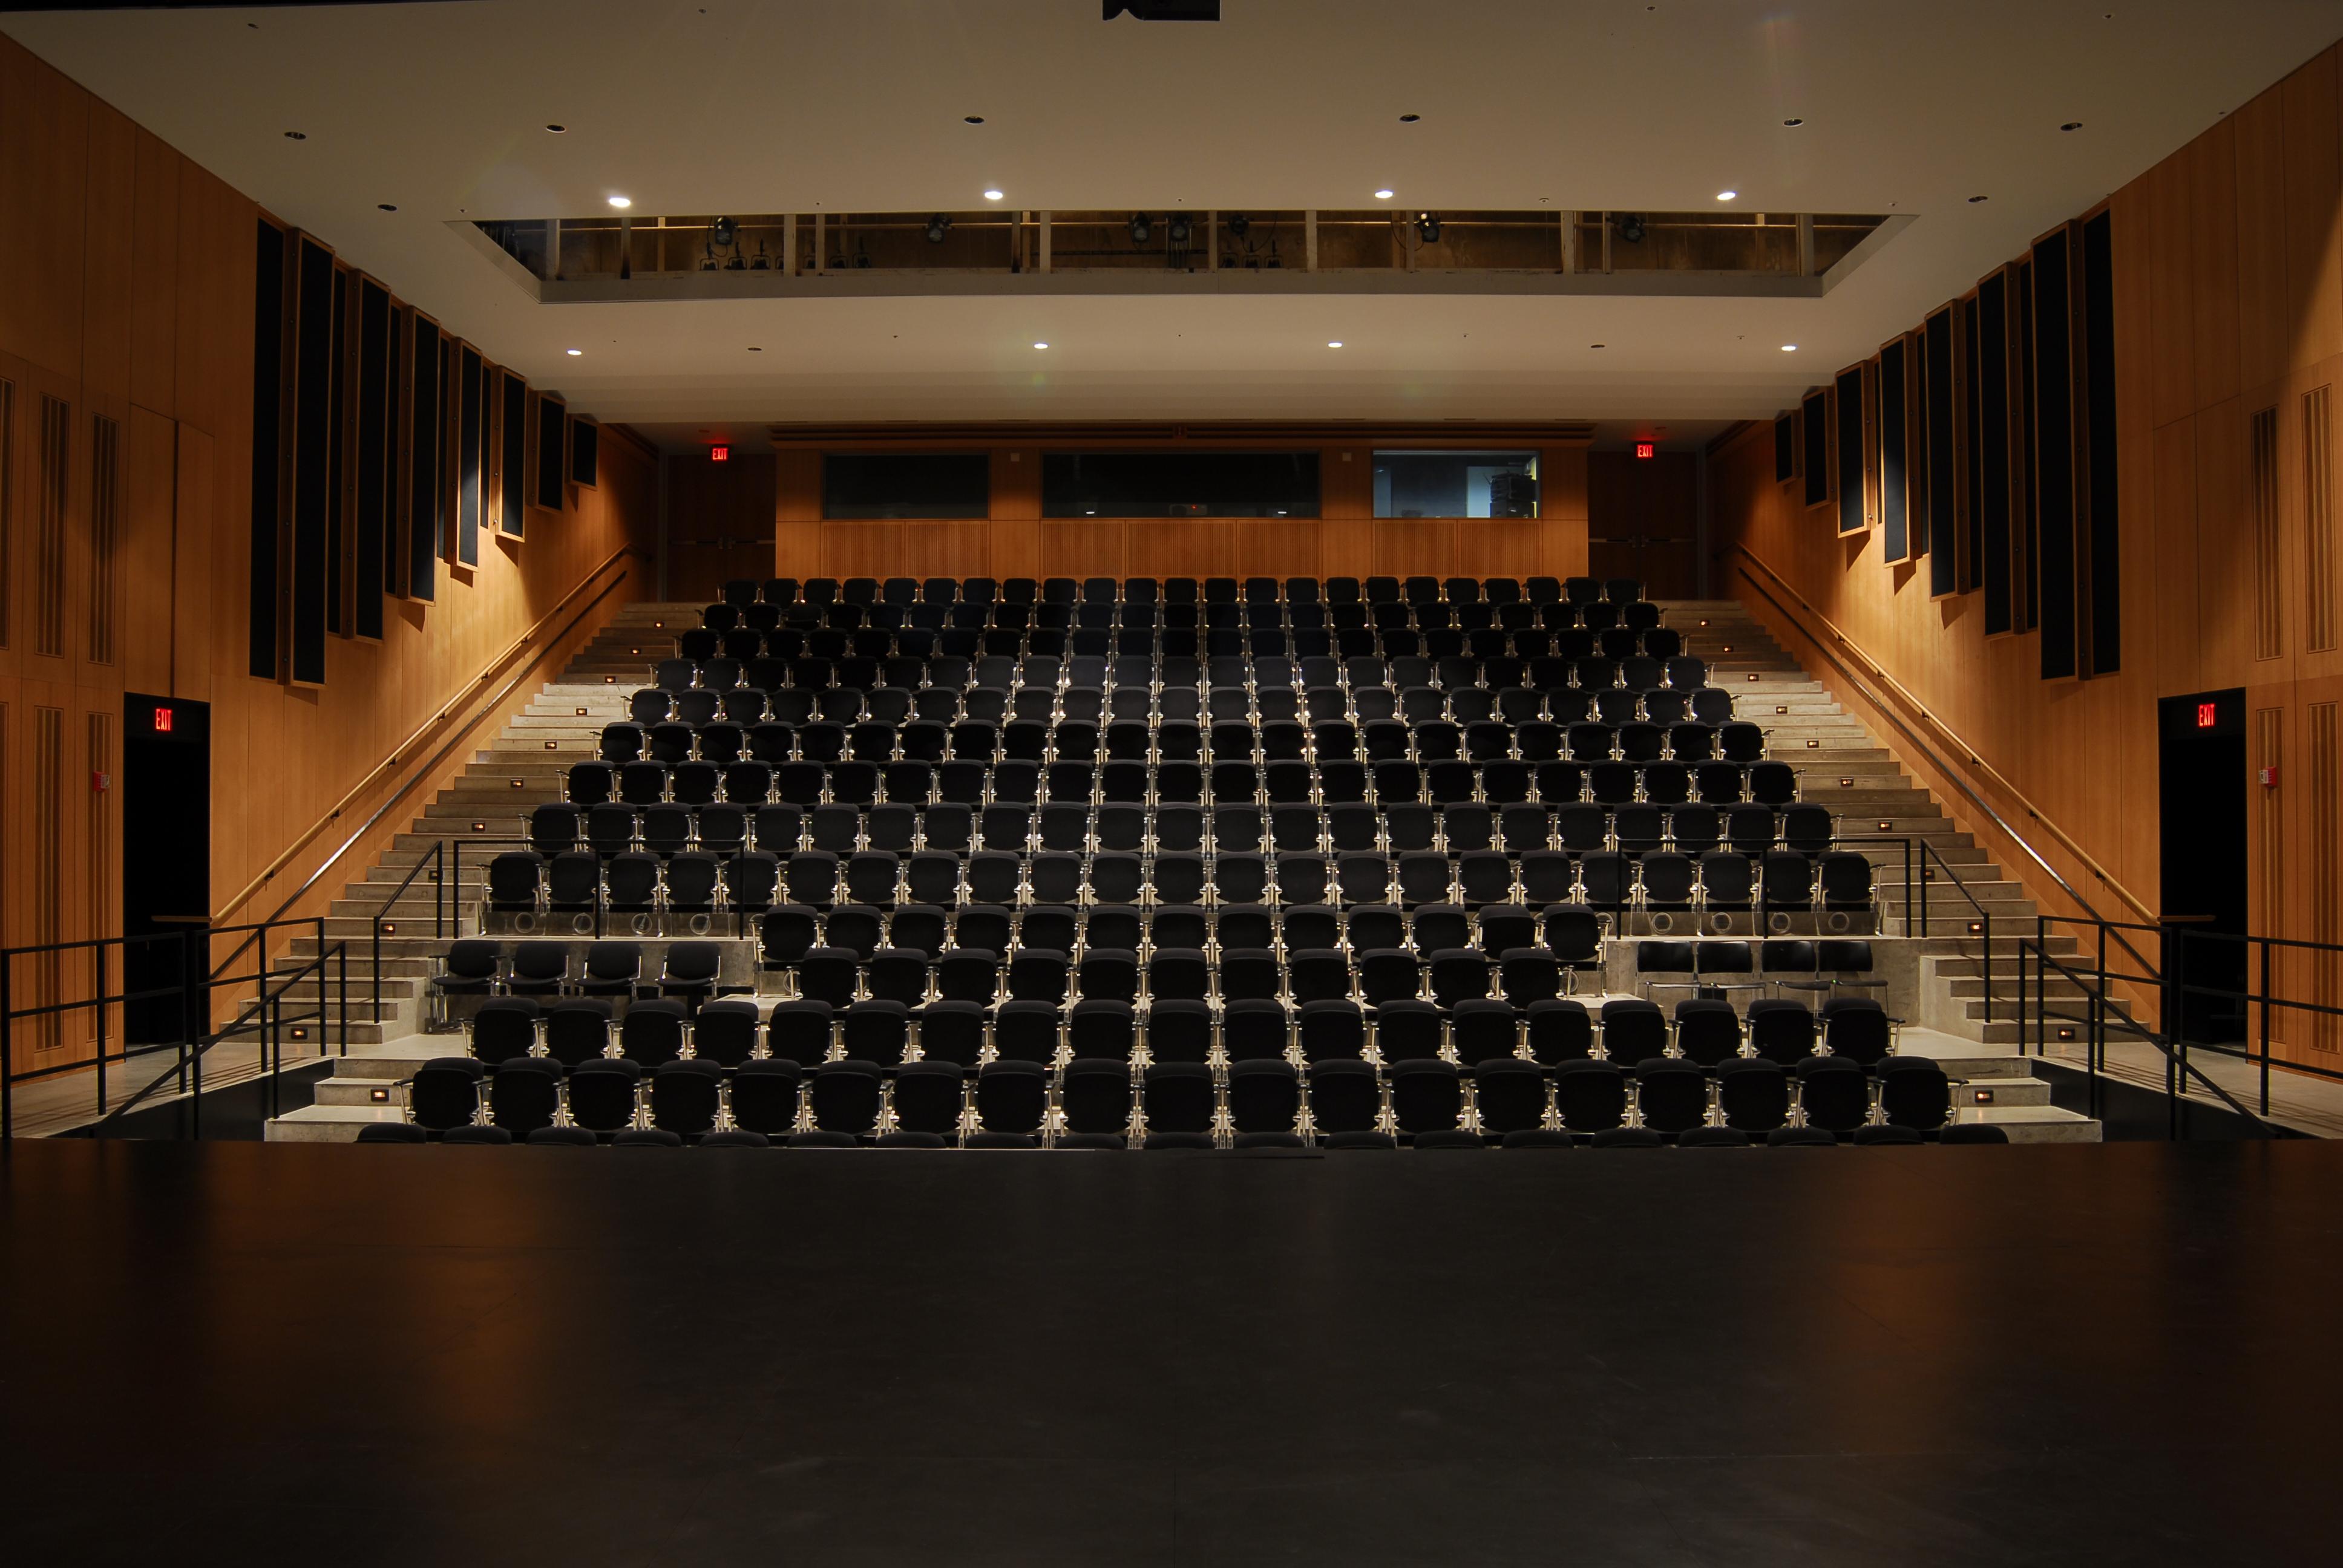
<point x="1219" y="743"/>
<point x="1179" y="864"/>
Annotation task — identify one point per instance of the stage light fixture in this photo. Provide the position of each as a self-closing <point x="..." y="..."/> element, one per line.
<point x="1238" y="226"/>
<point x="1631" y="227"/>
<point x="1177" y="229"/>
<point x="938" y="227"/>
<point x="723" y="232"/>
<point x="1141" y="228"/>
<point x="1427" y="228"/>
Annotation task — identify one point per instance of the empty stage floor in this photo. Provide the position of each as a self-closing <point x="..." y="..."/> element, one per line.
<point x="367" y="1354"/>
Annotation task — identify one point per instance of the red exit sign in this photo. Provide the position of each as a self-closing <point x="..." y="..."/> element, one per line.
<point x="163" y="721"/>
<point x="719" y="454"/>
<point x="1647" y="448"/>
<point x="2206" y="716"/>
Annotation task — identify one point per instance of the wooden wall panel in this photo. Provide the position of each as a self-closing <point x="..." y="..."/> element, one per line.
<point x="863" y="549"/>
<point x="127" y="295"/>
<point x="2313" y="231"/>
<point x="1084" y="549"/>
<point x="719" y="521"/>
<point x="797" y="513"/>
<point x="2228" y="292"/>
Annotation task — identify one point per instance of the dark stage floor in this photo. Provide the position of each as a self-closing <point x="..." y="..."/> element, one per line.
<point x="2045" y="1355"/>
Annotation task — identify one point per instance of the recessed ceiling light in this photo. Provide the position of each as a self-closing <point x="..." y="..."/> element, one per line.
<point x="992" y="196"/>
<point x="1726" y="195"/>
<point x="574" y="353"/>
<point x="387" y="205"/>
<point x="1040" y="345"/>
<point x="297" y="135"/>
<point x="1336" y="344"/>
<point x="973" y="119"/>
<point x="1409" y="119"/>
<point x="754" y="349"/>
<point x="1974" y="200"/>
<point x="1789" y="349"/>
<point x="1383" y="196"/>
<point x="2072" y="125"/>
<point x="556" y="130"/>
<point x="1794" y="123"/>
<point x="1598" y="345"/>
<point x="622" y="201"/>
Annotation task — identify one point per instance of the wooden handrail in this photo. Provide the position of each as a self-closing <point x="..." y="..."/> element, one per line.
<point x="1951" y="737"/>
<point x="407" y="750"/>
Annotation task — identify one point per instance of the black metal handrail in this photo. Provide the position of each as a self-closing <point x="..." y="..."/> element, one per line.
<point x="2101" y="1004"/>
<point x="196" y="984"/>
<point x="2173" y="986"/>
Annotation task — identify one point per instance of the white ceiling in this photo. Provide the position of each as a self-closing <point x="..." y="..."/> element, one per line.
<point x="771" y="105"/>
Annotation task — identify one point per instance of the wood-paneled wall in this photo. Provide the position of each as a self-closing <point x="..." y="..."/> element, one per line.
<point x="2228" y="304"/>
<point x="1346" y="540"/>
<point x="126" y="296"/>
<point x="719" y="521"/>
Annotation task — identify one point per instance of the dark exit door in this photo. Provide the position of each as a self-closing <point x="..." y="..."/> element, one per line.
<point x="166" y="851"/>
<point x="2203" y="766"/>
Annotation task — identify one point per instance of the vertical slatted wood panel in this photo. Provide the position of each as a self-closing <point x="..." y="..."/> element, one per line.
<point x="8" y="506"/>
<point x="51" y="505"/>
<point x="48" y="923"/>
<point x="2318" y="523"/>
<point x="2323" y="736"/>
<point x="2268" y="880"/>
<point x="2269" y="559"/>
<point x="105" y="536"/>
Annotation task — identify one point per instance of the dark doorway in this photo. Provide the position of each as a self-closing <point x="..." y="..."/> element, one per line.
<point x="2203" y="759"/>
<point x="166" y="852"/>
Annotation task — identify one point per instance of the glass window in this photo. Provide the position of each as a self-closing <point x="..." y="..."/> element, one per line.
<point x="1177" y="483"/>
<point x="906" y="485"/>
<point x="1456" y="485"/>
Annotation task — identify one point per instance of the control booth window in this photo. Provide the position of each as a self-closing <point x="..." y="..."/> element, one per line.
<point x="906" y="485"/>
<point x="1456" y="485"/>
<point x="1176" y="483"/>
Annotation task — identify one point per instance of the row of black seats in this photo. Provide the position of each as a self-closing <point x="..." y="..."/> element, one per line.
<point x="885" y="645"/>
<point x="1487" y="628"/>
<point x="953" y="828"/>
<point x="1722" y="881"/>
<point x="1157" y="661"/>
<point x="1109" y="1099"/>
<point x="895" y="706"/>
<point x="894" y="1006"/>
<point x="1020" y="780"/>
<point x="1179" y="590"/>
<point x="1258" y="740"/>
<point x="565" y="1137"/>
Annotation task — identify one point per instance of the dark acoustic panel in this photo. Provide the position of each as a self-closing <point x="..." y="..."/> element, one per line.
<point x="1895" y="493"/>
<point x="512" y="464"/>
<point x="1965" y="440"/>
<point x="269" y="296"/>
<point x="314" y="471"/>
<point x="1786" y="447"/>
<point x="1990" y="438"/>
<point x="1814" y="427"/>
<point x="377" y="383"/>
<point x="2054" y="452"/>
<point x="1852" y="490"/>
<point x="471" y="454"/>
<point x="550" y="482"/>
<point x="1939" y="402"/>
<point x="585" y="452"/>
<point x="427" y="470"/>
<point x="2024" y="518"/>
<point x="338" y="464"/>
<point x="2098" y="321"/>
